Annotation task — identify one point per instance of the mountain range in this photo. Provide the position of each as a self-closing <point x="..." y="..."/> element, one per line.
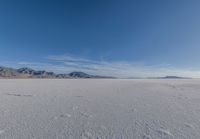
<point x="6" y="72"/>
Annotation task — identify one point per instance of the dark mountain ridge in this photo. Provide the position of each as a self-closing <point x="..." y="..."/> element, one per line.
<point x="25" y="72"/>
<point x="170" y="77"/>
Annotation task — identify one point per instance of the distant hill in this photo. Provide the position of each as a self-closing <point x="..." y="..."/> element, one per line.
<point x="80" y="75"/>
<point x="84" y="75"/>
<point x="170" y="77"/>
<point x="6" y="72"/>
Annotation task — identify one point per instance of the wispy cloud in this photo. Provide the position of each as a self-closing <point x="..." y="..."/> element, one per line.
<point x="68" y="63"/>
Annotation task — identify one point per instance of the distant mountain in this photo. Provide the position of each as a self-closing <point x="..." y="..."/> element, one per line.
<point x="170" y="77"/>
<point x="175" y="77"/>
<point x="80" y="75"/>
<point x="30" y="73"/>
<point x="37" y="74"/>
<point x="8" y="72"/>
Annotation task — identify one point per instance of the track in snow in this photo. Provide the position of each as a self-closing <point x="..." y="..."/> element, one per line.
<point x="99" y="109"/>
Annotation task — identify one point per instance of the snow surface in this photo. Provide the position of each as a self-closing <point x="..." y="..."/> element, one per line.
<point x="99" y="109"/>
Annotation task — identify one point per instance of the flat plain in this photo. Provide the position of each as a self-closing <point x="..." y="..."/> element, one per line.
<point x="99" y="109"/>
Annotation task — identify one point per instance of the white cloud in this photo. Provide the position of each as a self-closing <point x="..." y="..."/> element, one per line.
<point x="66" y="64"/>
<point x="120" y="68"/>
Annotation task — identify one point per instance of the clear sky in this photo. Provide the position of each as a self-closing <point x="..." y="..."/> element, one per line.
<point x="127" y="38"/>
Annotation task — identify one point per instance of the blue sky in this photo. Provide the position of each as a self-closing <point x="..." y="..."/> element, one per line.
<point x="126" y="38"/>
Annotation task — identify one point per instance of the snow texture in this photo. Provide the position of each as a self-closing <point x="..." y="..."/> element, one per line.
<point x="99" y="109"/>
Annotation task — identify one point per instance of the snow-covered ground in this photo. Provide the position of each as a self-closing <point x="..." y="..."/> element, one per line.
<point x="99" y="109"/>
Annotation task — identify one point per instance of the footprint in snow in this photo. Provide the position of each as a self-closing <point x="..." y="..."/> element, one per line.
<point x="164" y="132"/>
<point x="65" y="116"/>
<point x="86" y="135"/>
<point x="62" y="116"/>
<point x="86" y="115"/>
<point x="146" y="136"/>
<point x="132" y="110"/>
<point x="188" y="125"/>
<point x="19" y="95"/>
